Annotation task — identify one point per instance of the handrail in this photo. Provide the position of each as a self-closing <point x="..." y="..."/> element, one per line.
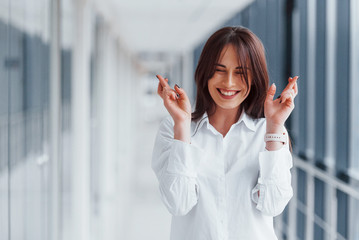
<point x="325" y="177"/>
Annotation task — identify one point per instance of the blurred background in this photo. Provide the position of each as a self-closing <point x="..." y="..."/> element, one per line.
<point x="79" y="110"/>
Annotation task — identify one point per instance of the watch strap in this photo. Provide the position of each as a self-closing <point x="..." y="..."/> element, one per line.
<point x="274" y="137"/>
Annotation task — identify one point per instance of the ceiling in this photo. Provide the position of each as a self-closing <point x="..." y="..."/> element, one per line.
<point x="172" y="25"/>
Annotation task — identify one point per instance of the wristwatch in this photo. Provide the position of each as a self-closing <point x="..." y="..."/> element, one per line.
<point x="273" y="137"/>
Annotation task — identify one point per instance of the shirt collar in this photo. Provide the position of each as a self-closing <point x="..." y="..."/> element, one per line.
<point x="248" y="121"/>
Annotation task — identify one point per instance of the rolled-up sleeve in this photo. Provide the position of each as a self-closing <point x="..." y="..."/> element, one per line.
<point x="274" y="182"/>
<point x="175" y="164"/>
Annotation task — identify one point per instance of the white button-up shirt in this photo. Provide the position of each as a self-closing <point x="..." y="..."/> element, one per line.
<point x="211" y="185"/>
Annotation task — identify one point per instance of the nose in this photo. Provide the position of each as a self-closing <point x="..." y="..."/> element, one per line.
<point x="229" y="80"/>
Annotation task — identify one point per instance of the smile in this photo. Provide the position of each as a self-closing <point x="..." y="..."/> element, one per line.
<point x="227" y="94"/>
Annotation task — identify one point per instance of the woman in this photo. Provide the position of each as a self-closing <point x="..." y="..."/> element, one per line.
<point x="224" y="170"/>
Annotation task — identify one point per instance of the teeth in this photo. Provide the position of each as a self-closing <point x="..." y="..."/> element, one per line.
<point x="231" y="93"/>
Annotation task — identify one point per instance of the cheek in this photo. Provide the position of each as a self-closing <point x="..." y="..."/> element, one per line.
<point x="246" y="94"/>
<point x="210" y="86"/>
<point x="211" y="91"/>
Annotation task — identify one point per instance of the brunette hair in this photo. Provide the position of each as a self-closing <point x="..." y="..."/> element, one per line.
<point x="251" y="56"/>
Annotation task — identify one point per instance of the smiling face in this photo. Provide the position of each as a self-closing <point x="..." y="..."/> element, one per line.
<point x="227" y="86"/>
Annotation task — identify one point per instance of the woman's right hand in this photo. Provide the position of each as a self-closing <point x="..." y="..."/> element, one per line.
<point x="178" y="106"/>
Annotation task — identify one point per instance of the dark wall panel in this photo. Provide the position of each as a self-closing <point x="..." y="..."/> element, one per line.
<point x="320" y="82"/>
<point x="342" y="87"/>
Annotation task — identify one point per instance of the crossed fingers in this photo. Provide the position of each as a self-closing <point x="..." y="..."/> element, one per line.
<point x="290" y="91"/>
<point x="164" y="89"/>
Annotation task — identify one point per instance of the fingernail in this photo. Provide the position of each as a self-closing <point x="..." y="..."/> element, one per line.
<point x="273" y="84"/>
<point x="177" y="95"/>
<point x="177" y="86"/>
<point x="278" y="97"/>
<point x="156" y="76"/>
<point x="280" y="101"/>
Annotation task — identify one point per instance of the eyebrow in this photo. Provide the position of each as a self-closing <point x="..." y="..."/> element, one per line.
<point x="221" y="65"/>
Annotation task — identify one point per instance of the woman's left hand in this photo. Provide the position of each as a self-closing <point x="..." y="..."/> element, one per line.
<point x="277" y="111"/>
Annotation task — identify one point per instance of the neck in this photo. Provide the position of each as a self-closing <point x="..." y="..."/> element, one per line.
<point x="223" y="119"/>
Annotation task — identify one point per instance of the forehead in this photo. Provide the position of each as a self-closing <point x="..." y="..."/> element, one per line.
<point x="232" y="54"/>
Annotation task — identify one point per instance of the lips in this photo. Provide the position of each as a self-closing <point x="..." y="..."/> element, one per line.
<point x="226" y="93"/>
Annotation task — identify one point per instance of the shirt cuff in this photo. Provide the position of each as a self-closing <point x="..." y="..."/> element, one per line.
<point x="272" y="164"/>
<point x="259" y="188"/>
<point x="184" y="158"/>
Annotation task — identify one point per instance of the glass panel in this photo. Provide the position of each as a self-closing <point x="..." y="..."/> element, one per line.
<point x="302" y="201"/>
<point x="342" y="214"/>
<point x="318" y="232"/>
<point x="302" y="186"/>
<point x="319" y="207"/>
<point x="342" y="108"/>
<point x="29" y="101"/>
<point x="67" y="35"/>
<point x="245" y="17"/>
<point x="302" y="83"/>
<point x="342" y="88"/>
<point x="196" y="55"/>
<point x="16" y="125"/>
<point x="354" y="210"/>
<point x="320" y="121"/>
<point x="354" y="86"/>
<point x="301" y="221"/>
<point x="257" y="19"/>
<point x="5" y="65"/>
<point x="285" y="215"/>
<point x="274" y="45"/>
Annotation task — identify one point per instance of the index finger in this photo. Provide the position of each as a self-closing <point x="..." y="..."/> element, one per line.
<point x="162" y="81"/>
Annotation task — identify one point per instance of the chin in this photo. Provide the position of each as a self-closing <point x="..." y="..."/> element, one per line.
<point x="228" y="107"/>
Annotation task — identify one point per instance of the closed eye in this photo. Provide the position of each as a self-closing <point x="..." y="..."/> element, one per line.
<point x="219" y="70"/>
<point x="240" y="70"/>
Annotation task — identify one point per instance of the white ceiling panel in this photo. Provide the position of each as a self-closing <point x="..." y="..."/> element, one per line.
<point x="170" y="26"/>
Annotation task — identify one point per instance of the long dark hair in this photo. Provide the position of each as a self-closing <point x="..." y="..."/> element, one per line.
<point x="251" y="52"/>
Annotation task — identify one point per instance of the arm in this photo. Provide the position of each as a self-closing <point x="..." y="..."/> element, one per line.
<point x="175" y="165"/>
<point x="273" y="190"/>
